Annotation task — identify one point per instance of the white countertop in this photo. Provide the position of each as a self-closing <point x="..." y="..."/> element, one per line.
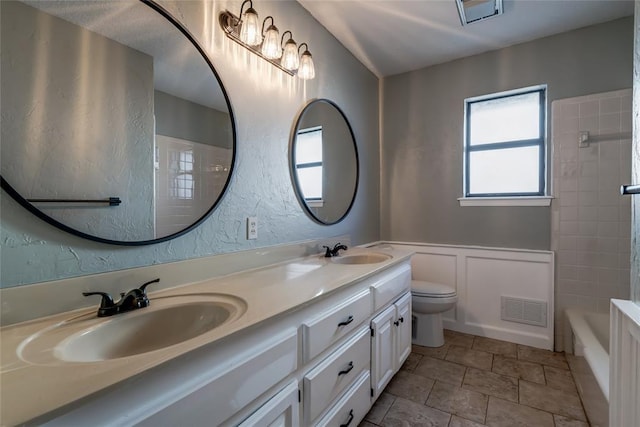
<point x="28" y="390"/>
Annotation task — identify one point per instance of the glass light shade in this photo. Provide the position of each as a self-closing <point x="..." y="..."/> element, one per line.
<point x="271" y="44"/>
<point x="250" y="28"/>
<point x="306" y="70"/>
<point x="290" y="59"/>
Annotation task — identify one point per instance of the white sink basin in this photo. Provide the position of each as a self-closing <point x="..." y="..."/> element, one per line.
<point x="362" y="258"/>
<point x="168" y="321"/>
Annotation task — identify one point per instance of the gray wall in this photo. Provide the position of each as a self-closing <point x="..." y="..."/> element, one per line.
<point x="265" y="102"/>
<point x="184" y="119"/>
<point x="423" y="132"/>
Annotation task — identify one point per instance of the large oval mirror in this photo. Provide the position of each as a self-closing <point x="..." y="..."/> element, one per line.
<point x="115" y="125"/>
<point x="324" y="162"/>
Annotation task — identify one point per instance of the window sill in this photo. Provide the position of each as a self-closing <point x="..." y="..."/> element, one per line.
<point x="505" y="201"/>
<point x="315" y="203"/>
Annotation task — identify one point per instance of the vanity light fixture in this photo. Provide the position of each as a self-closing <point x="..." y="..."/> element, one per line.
<point x="267" y="44"/>
<point x="306" y="71"/>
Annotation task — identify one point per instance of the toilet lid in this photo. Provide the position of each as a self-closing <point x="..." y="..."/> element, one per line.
<point x="430" y="289"/>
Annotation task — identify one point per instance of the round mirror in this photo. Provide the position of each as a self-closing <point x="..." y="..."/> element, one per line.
<point x="115" y="125"/>
<point x="324" y="162"/>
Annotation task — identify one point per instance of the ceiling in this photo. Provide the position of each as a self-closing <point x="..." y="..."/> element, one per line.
<point x="394" y="36"/>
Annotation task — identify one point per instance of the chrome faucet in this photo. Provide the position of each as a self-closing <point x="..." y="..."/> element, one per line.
<point x="334" y="252"/>
<point x="132" y="300"/>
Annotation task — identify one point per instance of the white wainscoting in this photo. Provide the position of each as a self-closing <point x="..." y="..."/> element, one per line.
<point x="481" y="276"/>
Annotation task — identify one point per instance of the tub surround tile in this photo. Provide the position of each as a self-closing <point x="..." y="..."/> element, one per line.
<point x="490" y="383"/>
<point x="544" y="357"/>
<point x="520" y="369"/>
<point x="490" y="345"/>
<point x="501" y="413"/>
<point x="410" y="386"/>
<point x="552" y="400"/>
<point x="458" y="401"/>
<point x="405" y="413"/>
<point x="441" y="370"/>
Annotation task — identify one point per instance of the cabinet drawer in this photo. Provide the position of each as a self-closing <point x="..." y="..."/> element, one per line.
<point x="352" y="407"/>
<point x="320" y="332"/>
<point x="390" y="285"/>
<point x="327" y="380"/>
<point x="237" y="383"/>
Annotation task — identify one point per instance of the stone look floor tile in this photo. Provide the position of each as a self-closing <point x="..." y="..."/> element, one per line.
<point x="442" y="370"/>
<point x="455" y="400"/>
<point x="507" y="349"/>
<point x="568" y="422"/>
<point x="435" y="352"/>
<point x="461" y="422"/>
<point x="458" y="338"/>
<point x="491" y="383"/>
<point x="552" y="400"/>
<point x="406" y="413"/>
<point x="518" y="369"/>
<point x="544" y="357"/>
<point x="468" y="357"/>
<point x="501" y="413"/>
<point x="410" y="386"/>
<point x="411" y="362"/>
<point x="380" y="408"/>
<point x="560" y="379"/>
<point x="366" y="424"/>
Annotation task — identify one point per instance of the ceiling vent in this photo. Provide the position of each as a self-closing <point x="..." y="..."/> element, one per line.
<point x="478" y="10"/>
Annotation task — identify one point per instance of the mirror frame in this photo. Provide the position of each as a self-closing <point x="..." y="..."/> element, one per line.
<point x="292" y="166"/>
<point x="37" y="212"/>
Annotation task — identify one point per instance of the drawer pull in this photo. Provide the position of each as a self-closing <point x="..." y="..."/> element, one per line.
<point x="346" y="322"/>
<point x="400" y="320"/>
<point x="349" y="420"/>
<point x="346" y="371"/>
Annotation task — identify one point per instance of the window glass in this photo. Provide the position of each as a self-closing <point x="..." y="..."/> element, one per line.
<point x="512" y="170"/>
<point x="308" y="159"/>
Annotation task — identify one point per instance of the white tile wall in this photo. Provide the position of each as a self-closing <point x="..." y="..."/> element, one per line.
<point x="591" y="227"/>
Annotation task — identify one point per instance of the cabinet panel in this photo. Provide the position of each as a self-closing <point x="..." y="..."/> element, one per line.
<point x="282" y="410"/>
<point x="383" y="349"/>
<point x="239" y="383"/>
<point x="320" y="332"/>
<point x="403" y="341"/>
<point x="352" y="407"/>
<point x="327" y="380"/>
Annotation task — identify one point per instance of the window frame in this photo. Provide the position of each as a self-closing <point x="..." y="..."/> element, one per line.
<point x="540" y="142"/>
<point x="315" y="202"/>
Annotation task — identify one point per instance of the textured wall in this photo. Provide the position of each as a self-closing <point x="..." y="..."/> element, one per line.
<point x="423" y="132"/>
<point x="265" y="103"/>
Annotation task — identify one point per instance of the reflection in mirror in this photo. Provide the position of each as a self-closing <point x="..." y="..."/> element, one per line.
<point x="324" y="162"/>
<point x="111" y="99"/>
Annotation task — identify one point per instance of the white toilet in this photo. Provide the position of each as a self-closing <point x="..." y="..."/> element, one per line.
<point x="429" y="301"/>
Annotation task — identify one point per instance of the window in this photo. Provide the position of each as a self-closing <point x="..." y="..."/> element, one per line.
<point x="308" y="161"/>
<point x="182" y="184"/>
<point x="504" y="146"/>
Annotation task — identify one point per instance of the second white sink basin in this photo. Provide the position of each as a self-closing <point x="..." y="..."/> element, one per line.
<point x="362" y="258"/>
<point x="166" y="322"/>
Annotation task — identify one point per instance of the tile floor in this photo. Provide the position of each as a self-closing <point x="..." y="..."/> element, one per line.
<point x="474" y="381"/>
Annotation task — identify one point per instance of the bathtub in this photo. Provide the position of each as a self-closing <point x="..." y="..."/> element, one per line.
<point x="589" y="343"/>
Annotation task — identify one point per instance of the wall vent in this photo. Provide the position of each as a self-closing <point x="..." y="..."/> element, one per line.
<point x="531" y="312"/>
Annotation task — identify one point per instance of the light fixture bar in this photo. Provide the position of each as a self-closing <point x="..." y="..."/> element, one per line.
<point x="229" y="23"/>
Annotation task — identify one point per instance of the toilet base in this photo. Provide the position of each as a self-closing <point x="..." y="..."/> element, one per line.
<point x="428" y="330"/>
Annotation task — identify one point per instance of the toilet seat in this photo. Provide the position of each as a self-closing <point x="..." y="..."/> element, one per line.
<point x="421" y="288"/>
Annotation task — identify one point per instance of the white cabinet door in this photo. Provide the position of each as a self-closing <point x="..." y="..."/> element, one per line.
<point x="403" y="329"/>
<point x="282" y="410"/>
<point x="383" y="352"/>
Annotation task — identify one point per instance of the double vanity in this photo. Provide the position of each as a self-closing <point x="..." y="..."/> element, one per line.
<point x="309" y="341"/>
